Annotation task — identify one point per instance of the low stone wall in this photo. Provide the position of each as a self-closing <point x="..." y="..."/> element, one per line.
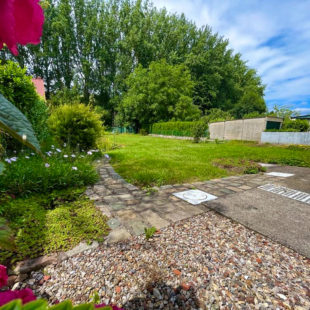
<point x="286" y="137"/>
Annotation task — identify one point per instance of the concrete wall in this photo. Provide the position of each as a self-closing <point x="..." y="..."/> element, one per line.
<point x="252" y="129"/>
<point x="244" y="129"/>
<point x="217" y="130"/>
<point x="286" y="137"/>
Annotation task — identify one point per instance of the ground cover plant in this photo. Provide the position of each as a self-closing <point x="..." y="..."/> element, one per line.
<point x="28" y="173"/>
<point x="148" y="161"/>
<point x="42" y="202"/>
<point x="48" y="223"/>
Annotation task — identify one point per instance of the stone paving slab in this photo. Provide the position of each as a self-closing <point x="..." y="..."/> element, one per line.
<point x="131" y="210"/>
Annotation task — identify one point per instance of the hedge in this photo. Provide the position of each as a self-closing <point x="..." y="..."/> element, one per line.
<point x="181" y="129"/>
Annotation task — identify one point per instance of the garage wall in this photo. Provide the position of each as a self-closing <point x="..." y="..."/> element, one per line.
<point x="244" y="129"/>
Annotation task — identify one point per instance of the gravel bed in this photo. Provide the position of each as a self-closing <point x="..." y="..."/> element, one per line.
<point x="206" y="262"/>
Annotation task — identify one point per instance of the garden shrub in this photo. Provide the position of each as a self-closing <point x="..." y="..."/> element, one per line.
<point x="175" y="128"/>
<point x="26" y="175"/>
<point x="17" y="87"/>
<point x="143" y="132"/>
<point x="295" y="125"/>
<point x="77" y="125"/>
<point x="199" y="130"/>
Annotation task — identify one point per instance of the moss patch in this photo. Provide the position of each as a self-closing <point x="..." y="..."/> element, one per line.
<point x="44" y="224"/>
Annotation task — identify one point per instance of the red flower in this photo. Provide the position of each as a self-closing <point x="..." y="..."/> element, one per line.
<point x="21" y="22"/>
<point x="26" y="295"/>
<point x="3" y="274"/>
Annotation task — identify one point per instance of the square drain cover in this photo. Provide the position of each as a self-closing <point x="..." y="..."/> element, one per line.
<point x="195" y="196"/>
<point x="280" y="174"/>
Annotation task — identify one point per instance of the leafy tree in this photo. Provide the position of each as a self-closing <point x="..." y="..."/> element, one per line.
<point x="159" y="93"/>
<point x="216" y="115"/>
<point x="282" y="111"/>
<point x="251" y="101"/>
<point x="98" y="44"/>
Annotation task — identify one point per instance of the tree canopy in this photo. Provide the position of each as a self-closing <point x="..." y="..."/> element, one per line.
<point x="159" y="93"/>
<point x="94" y="46"/>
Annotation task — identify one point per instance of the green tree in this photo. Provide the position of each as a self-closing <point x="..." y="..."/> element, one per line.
<point x="159" y="93"/>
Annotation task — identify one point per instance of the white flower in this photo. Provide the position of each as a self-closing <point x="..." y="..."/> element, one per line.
<point x="73" y="155"/>
<point x="106" y="156"/>
<point x="24" y="137"/>
<point x="13" y="158"/>
<point x="32" y="154"/>
<point x="74" y="168"/>
<point x="58" y="150"/>
<point x="47" y="165"/>
<point x="89" y="153"/>
<point x="27" y="157"/>
<point x="65" y="144"/>
<point x="52" y="146"/>
<point x="8" y="160"/>
<point x="65" y="156"/>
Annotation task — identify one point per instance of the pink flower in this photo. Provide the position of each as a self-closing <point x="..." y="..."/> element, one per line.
<point x="21" y="22"/>
<point x="3" y="276"/>
<point x="26" y="295"/>
<point x="7" y="296"/>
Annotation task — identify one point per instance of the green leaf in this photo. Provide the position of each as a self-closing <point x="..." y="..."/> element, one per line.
<point x="6" y="239"/>
<point x="66" y="305"/>
<point x="15" y="123"/>
<point x="39" y="304"/>
<point x="2" y="167"/>
<point x="85" y="307"/>
<point x="13" y="305"/>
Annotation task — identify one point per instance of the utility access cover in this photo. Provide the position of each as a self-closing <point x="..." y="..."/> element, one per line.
<point x="287" y="192"/>
<point x="195" y="196"/>
<point x="280" y="174"/>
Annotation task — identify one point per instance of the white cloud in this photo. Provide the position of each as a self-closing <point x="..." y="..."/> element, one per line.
<point x="273" y="36"/>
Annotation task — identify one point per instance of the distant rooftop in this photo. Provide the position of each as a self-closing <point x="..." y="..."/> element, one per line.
<point x="302" y="116"/>
<point x="39" y="85"/>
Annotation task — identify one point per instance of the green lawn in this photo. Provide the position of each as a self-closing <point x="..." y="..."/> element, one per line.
<point x="148" y="161"/>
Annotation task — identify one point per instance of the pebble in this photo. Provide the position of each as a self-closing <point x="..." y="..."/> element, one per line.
<point x="205" y="262"/>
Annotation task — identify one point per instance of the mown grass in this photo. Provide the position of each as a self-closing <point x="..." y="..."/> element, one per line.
<point x="149" y="161"/>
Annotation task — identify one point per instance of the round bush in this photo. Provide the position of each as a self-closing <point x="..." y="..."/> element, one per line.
<point x="76" y="124"/>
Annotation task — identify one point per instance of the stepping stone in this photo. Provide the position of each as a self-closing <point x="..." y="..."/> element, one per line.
<point x="114" y="223"/>
<point x="117" y="206"/>
<point x="154" y="219"/>
<point x="137" y="227"/>
<point x="117" y="235"/>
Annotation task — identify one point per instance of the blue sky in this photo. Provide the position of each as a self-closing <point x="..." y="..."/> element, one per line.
<point x="272" y="35"/>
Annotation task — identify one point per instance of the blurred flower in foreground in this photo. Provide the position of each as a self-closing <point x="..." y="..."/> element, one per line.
<point x="21" y="22"/>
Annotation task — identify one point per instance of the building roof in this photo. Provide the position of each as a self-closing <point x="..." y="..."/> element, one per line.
<point x="39" y="85"/>
<point x="303" y="116"/>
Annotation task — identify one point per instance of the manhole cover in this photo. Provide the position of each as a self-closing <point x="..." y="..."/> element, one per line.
<point x="195" y="196"/>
